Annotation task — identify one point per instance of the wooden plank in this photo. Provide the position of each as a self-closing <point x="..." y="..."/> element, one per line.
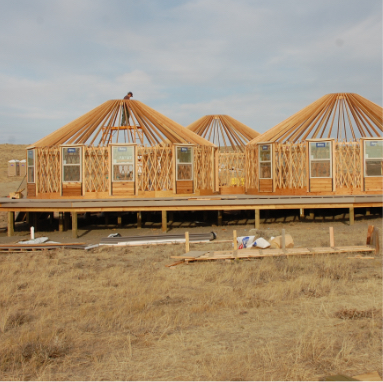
<point x="373" y="184"/>
<point x="71" y="189"/>
<point x="164" y="221"/>
<point x="74" y="225"/>
<point x="231" y="190"/>
<point x="265" y="185"/>
<point x="187" y="244"/>
<point x="321" y="184"/>
<point x="184" y="186"/>
<point x="370" y="230"/>
<point x="257" y="219"/>
<point x="31" y="190"/>
<point x="374" y="376"/>
<point x="351" y="214"/>
<point x="123" y="189"/>
<point x="332" y="241"/>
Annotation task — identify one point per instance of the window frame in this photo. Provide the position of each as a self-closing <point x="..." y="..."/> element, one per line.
<point x="370" y="159"/>
<point x="183" y="163"/>
<point x="71" y="165"/>
<point x="133" y="162"/>
<point x="265" y="161"/>
<point x="33" y="166"/>
<point x="321" y="160"/>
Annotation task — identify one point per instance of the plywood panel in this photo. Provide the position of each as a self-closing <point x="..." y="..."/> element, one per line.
<point x="71" y="189"/>
<point x="373" y="184"/>
<point x="184" y="186"/>
<point x="266" y="185"/>
<point x="321" y="185"/>
<point x="123" y="189"/>
<point x="31" y="190"/>
<point x="226" y="190"/>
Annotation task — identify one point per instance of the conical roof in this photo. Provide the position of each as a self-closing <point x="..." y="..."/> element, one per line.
<point x="344" y="116"/>
<point x="122" y="121"/>
<point x="223" y="131"/>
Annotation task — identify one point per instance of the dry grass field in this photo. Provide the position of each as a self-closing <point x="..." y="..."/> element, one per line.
<point x="120" y="314"/>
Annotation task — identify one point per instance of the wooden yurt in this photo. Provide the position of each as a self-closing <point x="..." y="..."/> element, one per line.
<point x="121" y="149"/>
<point x="231" y="137"/>
<point x="333" y="146"/>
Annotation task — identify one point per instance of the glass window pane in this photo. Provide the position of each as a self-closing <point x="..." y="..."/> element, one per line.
<point x="320" y="169"/>
<point x="265" y="170"/>
<point x="373" y="149"/>
<point x="123" y="154"/>
<point x="31" y="175"/>
<point x="123" y="172"/>
<point x="71" y="174"/>
<point x="374" y="167"/>
<point x="265" y="152"/>
<point x="184" y="154"/>
<point x="320" y="150"/>
<point x="71" y="155"/>
<point x="184" y="172"/>
<point x="31" y="158"/>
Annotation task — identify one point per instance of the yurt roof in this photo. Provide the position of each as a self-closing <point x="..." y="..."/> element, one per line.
<point x="343" y="116"/>
<point x="122" y="121"/>
<point x="223" y="131"/>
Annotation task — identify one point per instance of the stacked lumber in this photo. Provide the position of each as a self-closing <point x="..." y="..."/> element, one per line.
<point x="157" y="239"/>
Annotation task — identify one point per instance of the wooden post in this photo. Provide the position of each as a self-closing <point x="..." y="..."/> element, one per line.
<point x="164" y="221"/>
<point x="368" y="211"/>
<point x="312" y="215"/>
<point x="332" y="241"/>
<point x="301" y="213"/>
<point x="139" y="220"/>
<point x="235" y="242"/>
<point x="219" y="217"/>
<point x="119" y="220"/>
<point x="257" y="219"/>
<point x="11" y="223"/>
<point x="61" y="222"/>
<point x="51" y="219"/>
<point x="283" y="240"/>
<point x="171" y="217"/>
<point x="74" y="225"/>
<point x="187" y="245"/>
<point x="351" y="215"/>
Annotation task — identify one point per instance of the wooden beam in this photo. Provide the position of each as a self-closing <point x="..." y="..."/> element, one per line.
<point x="74" y="225"/>
<point x="164" y="221"/>
<point x="332" y="240"/>
<point x="11" y="223"/>
<point x="257" y="219"/>
<point x="351" y="215"/>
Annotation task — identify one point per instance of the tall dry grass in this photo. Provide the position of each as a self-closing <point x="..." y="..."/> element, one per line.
<point x="120" y="314"/>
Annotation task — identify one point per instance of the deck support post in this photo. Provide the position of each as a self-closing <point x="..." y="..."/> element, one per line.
<point x="139" y="220"/>
<point x="301" y="213"/>
<point x="51" y="219"/>
<point x="164" y="221"/>
<point x="368" y="211"/>
<point x="11" y="223"/>
<point x="61" y="222"/>
<point x="119" y="220"/>
<point x="351" y="215"/>
<point x="257" y="219"/>
<point x="219" y="220"/>
<point x="74" y="225"/>
<point x="171" y="217"/>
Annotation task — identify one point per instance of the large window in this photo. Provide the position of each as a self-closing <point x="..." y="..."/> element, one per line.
<point x="31" y="166"/>
<point x="184" y="163"/>
<point x="71" y="164"/>
<point x="264" y="161"/>
<point x="320" y="160"/>
<point x="373" y="156"/>
<point x="123" y="163"/>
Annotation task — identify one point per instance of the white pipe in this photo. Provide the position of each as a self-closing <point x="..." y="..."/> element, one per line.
<point x="32" y="233"/>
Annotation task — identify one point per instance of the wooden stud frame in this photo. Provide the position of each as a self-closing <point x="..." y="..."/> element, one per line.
<point x="134" y="162"/>
<point x="261" y="147"/>
<point x="331" y="159"/>
<point x="176" y="147"/>
<point x="62" y="147"/>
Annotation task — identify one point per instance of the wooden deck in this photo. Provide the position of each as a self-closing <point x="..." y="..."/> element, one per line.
<point x="201" y="203"/>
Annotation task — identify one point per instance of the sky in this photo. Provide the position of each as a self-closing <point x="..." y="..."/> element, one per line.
<point x="259" y="61"/>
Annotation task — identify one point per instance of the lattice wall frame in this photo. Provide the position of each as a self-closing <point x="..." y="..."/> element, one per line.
<point x="348" y="168"/>
<point x="203" y="168"/>
<point x="290" y="165"/>
<point x="155" y="169"/>
<point x="231" y="169"/>
<point x="48" y="170"/>
<point x="96" y="169"/>
<point x="251" y="167"/>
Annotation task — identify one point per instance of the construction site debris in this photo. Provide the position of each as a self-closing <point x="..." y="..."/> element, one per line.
<point x="276" y="242"/>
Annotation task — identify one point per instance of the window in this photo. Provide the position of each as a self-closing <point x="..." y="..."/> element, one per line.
<point x="373" y="157"/>
<point x="320" y="160"/>
<point x="71" y="164"/>
<point x="264" y="161"/>
<point x="184" y="163"/>
<point x="123" y="163"/>
<point x="31" y="166"/>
